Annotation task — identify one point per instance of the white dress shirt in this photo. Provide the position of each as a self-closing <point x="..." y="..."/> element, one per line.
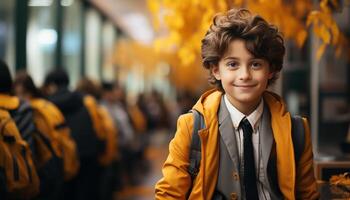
<point x="255" y="120"/>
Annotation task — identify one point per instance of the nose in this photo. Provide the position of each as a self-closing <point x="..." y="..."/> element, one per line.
<point x="244" y="73"/>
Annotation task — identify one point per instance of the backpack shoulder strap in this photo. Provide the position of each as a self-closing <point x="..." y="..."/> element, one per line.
<point x="195" y="151"/>
<point x="23" y="117"/>
<point x="298" y="137"/>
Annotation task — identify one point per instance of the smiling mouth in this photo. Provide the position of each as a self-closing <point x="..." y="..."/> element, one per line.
<point x="244" y="86"/>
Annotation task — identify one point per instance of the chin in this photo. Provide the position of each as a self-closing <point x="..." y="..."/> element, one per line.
<point x="246" y="98"/>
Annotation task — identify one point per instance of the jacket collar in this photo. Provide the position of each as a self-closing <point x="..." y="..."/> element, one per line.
<point x="208" y="105"/>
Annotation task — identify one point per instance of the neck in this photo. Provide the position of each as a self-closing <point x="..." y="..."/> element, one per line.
<point x="244" y="107"/>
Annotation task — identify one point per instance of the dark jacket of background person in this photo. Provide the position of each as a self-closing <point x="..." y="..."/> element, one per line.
<point x="78" y="119"/>
<point x="109" y="158"/>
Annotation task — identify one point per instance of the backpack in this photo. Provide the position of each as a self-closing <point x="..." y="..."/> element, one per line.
<point x="18" y="176"/>
<point x="298" y="138"/>
<point x="93" y="109"/>
<point x="49" y="120"/>
<point x="48" y="164"/>
<point x="99" y="126"/>
<point x="110" y="153"/>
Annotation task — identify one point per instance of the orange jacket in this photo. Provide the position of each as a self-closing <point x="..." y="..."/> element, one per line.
<point x="176" y="181"/>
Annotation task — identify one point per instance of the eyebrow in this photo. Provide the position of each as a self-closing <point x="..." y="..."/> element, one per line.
<point x="232" y="58"/>
<point x="236" y="58"/>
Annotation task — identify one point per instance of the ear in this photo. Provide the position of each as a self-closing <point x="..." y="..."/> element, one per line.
<point x="215" y="71"/>
<point x="271" y="75"/>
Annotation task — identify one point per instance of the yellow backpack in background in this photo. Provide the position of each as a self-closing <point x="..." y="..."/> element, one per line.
<point x="110" y="153"/>
<point x="104" y="128"/>
<point x="97" y="123"/>
<point x="18" y="176"/>
<point x="50" y="121"/>
<point x="138" y="119"/>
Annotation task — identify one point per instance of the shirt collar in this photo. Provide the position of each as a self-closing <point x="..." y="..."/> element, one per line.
<point x="237" y="116"/>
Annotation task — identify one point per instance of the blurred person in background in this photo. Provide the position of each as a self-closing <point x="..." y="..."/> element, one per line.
<point x="13" y="105"/>
<point x="114" y="100"/>
<point x="184" y="102"/>
<point x="109" y="159"/>
<point x="50" y="121"/>
<point x="79" y="112"/>
<point x="155" y="109"/>
<point x="141" y="103"/>
<point x="44" y="147"/>
<point x="18" y="150"/>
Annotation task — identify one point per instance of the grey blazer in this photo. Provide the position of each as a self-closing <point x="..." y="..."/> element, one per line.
<point x="229" y="182"/>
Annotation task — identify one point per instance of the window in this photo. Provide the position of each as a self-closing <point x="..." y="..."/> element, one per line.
<point x="7" y="34"/>
<point x="71" y="40"/>
<point x="41" y="39"/>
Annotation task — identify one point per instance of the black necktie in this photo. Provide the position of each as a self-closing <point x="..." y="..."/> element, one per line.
<point x="251" y="191"/>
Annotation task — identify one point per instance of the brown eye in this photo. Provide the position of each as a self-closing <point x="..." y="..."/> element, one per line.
<point x="232" y="64"/>
<point x="256" y="64"/>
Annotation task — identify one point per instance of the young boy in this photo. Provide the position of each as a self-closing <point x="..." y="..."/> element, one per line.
<point x="246" y="147"/>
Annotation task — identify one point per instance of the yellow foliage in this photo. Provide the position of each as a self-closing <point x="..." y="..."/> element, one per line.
<point x="320" y="51"/>
<point x="324" y="7"/>
<point x="238" y="2"/>
<point x="188" y="21"/>
<point x="174" y="21"/>
<point x="325" y="34"/>
<point x="222" y="5"/>
<point x="325" y="28"/>
<point x="301" y="37"/>
<point x="129" y="54"/>
<point x="313" y="17"/>
<point x="335" y="33"/>
<point x="187" y="56"/>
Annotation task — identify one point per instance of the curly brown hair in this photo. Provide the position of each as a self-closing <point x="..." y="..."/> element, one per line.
<point x="262" y="40"/>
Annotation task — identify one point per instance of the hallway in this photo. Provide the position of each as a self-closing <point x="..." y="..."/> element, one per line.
<point x="156" y="155"/>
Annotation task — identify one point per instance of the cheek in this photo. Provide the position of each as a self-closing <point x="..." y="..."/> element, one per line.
<point x="226" y="78"/>
<point x="261" y="81"/>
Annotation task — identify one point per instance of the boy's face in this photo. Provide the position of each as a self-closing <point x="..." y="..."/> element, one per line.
<point x="243" y="77"/>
